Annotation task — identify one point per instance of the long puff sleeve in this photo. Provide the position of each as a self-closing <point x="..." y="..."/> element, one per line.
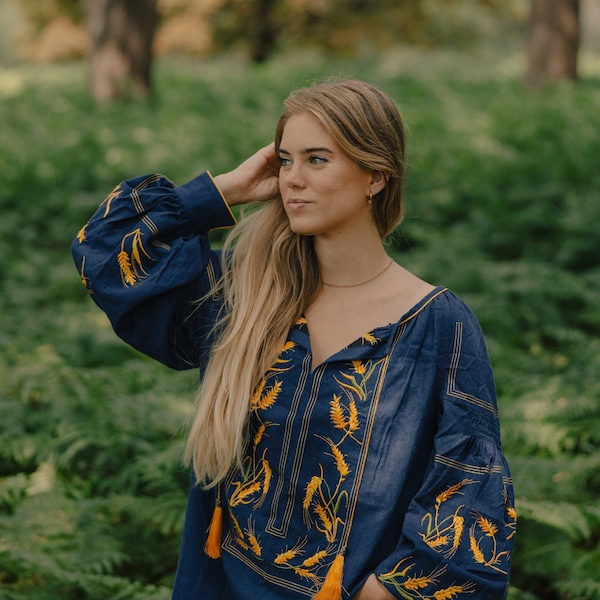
<point x="456" y="537"/>
<point x="145" y="259"/>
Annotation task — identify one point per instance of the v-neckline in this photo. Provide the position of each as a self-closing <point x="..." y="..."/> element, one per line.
<point x="370" y="336"/>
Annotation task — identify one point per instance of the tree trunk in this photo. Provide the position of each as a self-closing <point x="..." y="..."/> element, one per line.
<point x="120" y="56"/>
<point x="262" y="34"/>
<point x="552" y="41"/>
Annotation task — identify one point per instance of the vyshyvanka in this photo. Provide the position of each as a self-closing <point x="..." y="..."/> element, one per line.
<point x="385" y="458"/>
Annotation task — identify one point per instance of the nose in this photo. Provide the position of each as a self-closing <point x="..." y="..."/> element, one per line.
<point x="292" y="176"/>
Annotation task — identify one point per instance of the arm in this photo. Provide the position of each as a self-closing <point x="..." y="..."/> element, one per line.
<point x="145" y="259"/>
<point x="457" y="534"/>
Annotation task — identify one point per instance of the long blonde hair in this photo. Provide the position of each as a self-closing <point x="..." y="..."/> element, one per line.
<point x="271" y="274"/>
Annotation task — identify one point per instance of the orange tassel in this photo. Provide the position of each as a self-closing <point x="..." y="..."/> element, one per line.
<point x="332" y="586"/>
<point x="213" y="541"/>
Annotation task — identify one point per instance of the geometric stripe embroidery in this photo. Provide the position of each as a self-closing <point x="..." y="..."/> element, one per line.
<point x="475" y="470"/>
<point x="452" y="389"/>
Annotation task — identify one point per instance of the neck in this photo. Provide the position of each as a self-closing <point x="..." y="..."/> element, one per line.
<point x="343" y="263"/>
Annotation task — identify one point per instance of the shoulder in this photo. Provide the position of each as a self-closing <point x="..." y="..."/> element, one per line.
<point x="450" y="321"/>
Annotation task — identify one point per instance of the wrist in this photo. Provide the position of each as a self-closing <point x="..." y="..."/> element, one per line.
<point x="228" y="187"/>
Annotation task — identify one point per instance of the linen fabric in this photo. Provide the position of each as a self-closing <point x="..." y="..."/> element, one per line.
<point x="388" y="454"/>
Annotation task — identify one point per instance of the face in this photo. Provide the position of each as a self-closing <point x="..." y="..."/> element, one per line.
<point x="324" y="192"/>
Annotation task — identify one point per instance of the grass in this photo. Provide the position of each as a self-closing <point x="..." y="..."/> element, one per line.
<point x="502" y="207"/>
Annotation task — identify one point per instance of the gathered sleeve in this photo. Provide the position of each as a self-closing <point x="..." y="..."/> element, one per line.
<point x="145" y="259"/>
<point x="457" y="534"/>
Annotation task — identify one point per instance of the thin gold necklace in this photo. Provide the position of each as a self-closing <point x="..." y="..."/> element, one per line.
<point x="351" y="285"/>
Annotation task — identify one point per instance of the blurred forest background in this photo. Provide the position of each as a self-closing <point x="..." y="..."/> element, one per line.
<point x="502" y="100"/>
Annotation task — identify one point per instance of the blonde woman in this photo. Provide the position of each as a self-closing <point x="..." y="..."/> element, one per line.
<point x="346" y="440"/>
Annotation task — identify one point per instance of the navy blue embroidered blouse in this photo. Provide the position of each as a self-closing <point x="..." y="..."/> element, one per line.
<point x="387" y="454"/>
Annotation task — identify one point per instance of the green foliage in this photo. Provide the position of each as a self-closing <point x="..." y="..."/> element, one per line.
<point x="502" y="205"/>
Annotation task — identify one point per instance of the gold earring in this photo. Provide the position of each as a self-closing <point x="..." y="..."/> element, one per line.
<point x="370" y="198"/>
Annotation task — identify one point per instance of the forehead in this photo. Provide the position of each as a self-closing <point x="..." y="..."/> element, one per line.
<point x="304" y="130"/>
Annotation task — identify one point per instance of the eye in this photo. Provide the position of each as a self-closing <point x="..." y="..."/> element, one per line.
<point x="284" y="161"/>
<point x="317" y="160"/>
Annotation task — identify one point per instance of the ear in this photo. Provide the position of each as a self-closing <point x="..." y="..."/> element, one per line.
<point x="377" y="182"/>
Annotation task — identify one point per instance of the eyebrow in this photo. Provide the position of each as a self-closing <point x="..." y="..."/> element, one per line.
<point x="308" y="150"/>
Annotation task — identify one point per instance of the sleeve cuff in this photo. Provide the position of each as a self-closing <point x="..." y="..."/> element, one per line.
<point x="204" y="204"/>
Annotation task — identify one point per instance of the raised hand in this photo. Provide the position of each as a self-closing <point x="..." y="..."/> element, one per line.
<point x="254" y="180"/>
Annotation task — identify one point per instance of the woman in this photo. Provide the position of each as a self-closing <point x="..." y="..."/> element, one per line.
<point x="346" y="440"/>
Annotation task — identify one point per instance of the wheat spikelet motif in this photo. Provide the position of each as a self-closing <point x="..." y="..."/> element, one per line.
<point x="489" y="530"/>
<point x="417" y="583"/>
<point x="487" y="527"/>
<point x="239" y="534"/>
<point x="453" y="591"/>
<point x="475" y="550"/>
<point x="108" y="200"/>
<point x="306" y="574"/>
<point x="257" y="394"/>
<point x="311" y="489"/>
<point x="458" y="526"/>
<point x="436" y="542"/>
<point x="252" y="539"/>
<point x="269" y="397"/>
<point x="412" y="586"/>
<point x="81" y="234"/>
<point x="340" y="462"/>
<point x="287" y="555"/>
<point x="336" y="413"/>
<point x="450" y="491"/>
<point x="84" y="280"/>
<point x="127" y="274"/>
<point x="353" y="423"/>
<point x="315" y="559"/>
<point x="359" y="367"/>
<point x="369" y="338"/>
<point x="326" y="523"/>
<point x="244" y="492"/>
<point x="259" y="434"/>
<point x="130" y="265"/>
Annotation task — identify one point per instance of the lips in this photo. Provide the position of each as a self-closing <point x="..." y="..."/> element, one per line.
<point x="296" y="203"/>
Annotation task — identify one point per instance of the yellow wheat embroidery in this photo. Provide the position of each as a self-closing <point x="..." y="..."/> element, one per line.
<point x="355" y="385"/>
<point x="239" y="537"/>
<point x="259" y="434"/>
<point x="340" y="462"/>
<point x="264" y="398"/>
<point x="276" y="368"/>
<point x="359" y="367"/>
<point x="311" y="489"/>
<point x="252" y="539"/>
<point x="412" y="586"/>
<point x="108" y="200"/>
<point x="454" y="591"/>
<point x="416" y="583"/>
<point x="257" y="394"/>
<point x="306" y="574"/>
<point x="328" y="525"/>
<point x="511" y="513"/>
<point x="130" y="264"/>
<point x="337" y="413"/>
<point x="244" y="493"/>
<point x="369" y="338"/>
<point x="450" y="491"/>
<point x="489" y="530"/>
<point x="84" y="279"/>
<point x="267" y="476"/>
<point x="286" y="556"/>
<point x="315" y="559"/>
<point x="444" y="533"/>
<point x="81" y="234"/>
<point x="475" y="550"/>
